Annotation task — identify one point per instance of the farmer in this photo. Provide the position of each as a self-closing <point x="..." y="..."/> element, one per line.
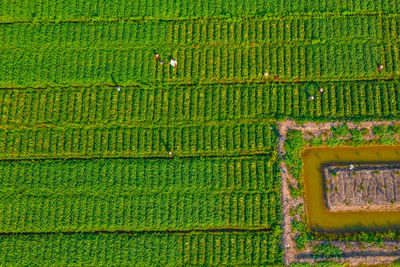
<point x="321" y="90"/>
<point x="173" y="62"/>
<point x="118" y="88"/>
<point x="266" y="74"/>
<point x="157" y="56"/>
<point x="311" y="98"/>
<point x="380" y="67"/>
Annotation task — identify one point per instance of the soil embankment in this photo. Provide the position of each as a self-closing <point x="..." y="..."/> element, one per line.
<point x="357" y="187"/>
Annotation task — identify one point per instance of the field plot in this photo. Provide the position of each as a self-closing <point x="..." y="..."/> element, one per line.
<point x="237" y="248"/>
<point x="45" y="10"/>
<point x="126" y="141"/>
<point x="137" y="195"/>
<point x="109" y="155"/>
<point x="204" y="59"/>
<point x="206" y="104"/>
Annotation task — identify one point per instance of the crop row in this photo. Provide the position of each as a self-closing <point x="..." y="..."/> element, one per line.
<point x="45" y="10"/>
<point x="41" y="210"/>
<point x="134" y="105"/>
<point x="142" y="249"/>
<point x="127" y="141"/>
<point x="202" y="32"/>
<point x="255" y="173"/>
<point x="290" y="63"/>
<point x="174" y="105"/>
<point x="343" y="100"/>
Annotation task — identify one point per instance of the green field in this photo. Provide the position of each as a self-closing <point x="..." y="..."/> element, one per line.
<point x="180" y="166"/>
<point x="142" y="249"/>
<point x="138" y="195"/>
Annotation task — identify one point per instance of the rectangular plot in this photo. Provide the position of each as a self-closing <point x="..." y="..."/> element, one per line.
<point x="107" y="188"/>
<point x="145" y="143"/>
<point x="171" y="105"/>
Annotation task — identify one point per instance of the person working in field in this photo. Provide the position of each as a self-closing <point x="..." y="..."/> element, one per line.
<point x="173" y="62"/>
<point x="157" y="56"/>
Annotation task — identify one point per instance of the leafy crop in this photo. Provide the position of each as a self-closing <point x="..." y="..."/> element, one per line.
<point x="45" y="10"/>
<point x="126" y="194"/>
<point x="327" y="251"/>
<point x="127" y="141"/>
<point x="182" y="161"/>
<point x="295" y="48"/>
<point x="177" y="105"/>
<point x="143" y="249"/>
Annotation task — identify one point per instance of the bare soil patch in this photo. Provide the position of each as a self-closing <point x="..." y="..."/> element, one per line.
<point x="357" y="187"/>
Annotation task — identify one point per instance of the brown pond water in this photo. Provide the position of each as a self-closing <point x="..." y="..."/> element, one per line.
<point x="319" y="217"/>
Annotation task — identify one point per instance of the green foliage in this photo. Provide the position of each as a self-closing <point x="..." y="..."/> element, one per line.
<point x="357" y="136"/>
<point x="59" y="67"/>
<point x="129" y="141"/>
<point x="326" y="251"/>
<point x="300" y="210"/>
<point x="167" y="104"/>
<point x="341" y="130"/>
<point x="294" y="144"/>
<point x="142" y="249"/>
<point x="133" y="63"/>
<point x="371" y="238"/>
<point x="298" y="226"/>
<point x="295" y="192"/>
<point x="302" y="239"/>
<point x="303" y="236"/>
<point x="317" y="141"/>
<point x="137" y="195"/>
<point x="91" y="10"/>
<point x="334" y="141"/>
<point x="380" y="130"/>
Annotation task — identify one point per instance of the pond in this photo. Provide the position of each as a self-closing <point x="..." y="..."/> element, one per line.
<point x="322" y="219"/>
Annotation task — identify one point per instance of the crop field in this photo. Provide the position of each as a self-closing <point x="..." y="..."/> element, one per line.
<point x="143" y="249"/>
<point x="205" y="104"/>
<point x="108" y="157"/>
<point x="137" y="195"/>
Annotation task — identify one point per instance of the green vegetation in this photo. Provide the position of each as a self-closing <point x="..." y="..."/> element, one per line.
<point x="294" y="144"/>
<point x="341" y="130"/>
<point x="142" y="249"/>
<point x="327" y="251"/>
<point x="44" y="10"/>
<point x="127" y="195"/>
<point x="303" y="236"/>
<point x="108" y="157"/>
<point x="130" y="141"/>
<point x="206" y="103"/>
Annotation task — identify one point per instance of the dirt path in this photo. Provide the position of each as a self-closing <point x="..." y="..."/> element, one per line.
<point x="288" y="203"/>
<point x="354" y="255"/>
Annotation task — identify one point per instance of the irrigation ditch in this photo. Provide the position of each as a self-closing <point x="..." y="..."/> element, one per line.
<point x="294" y="207"/>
